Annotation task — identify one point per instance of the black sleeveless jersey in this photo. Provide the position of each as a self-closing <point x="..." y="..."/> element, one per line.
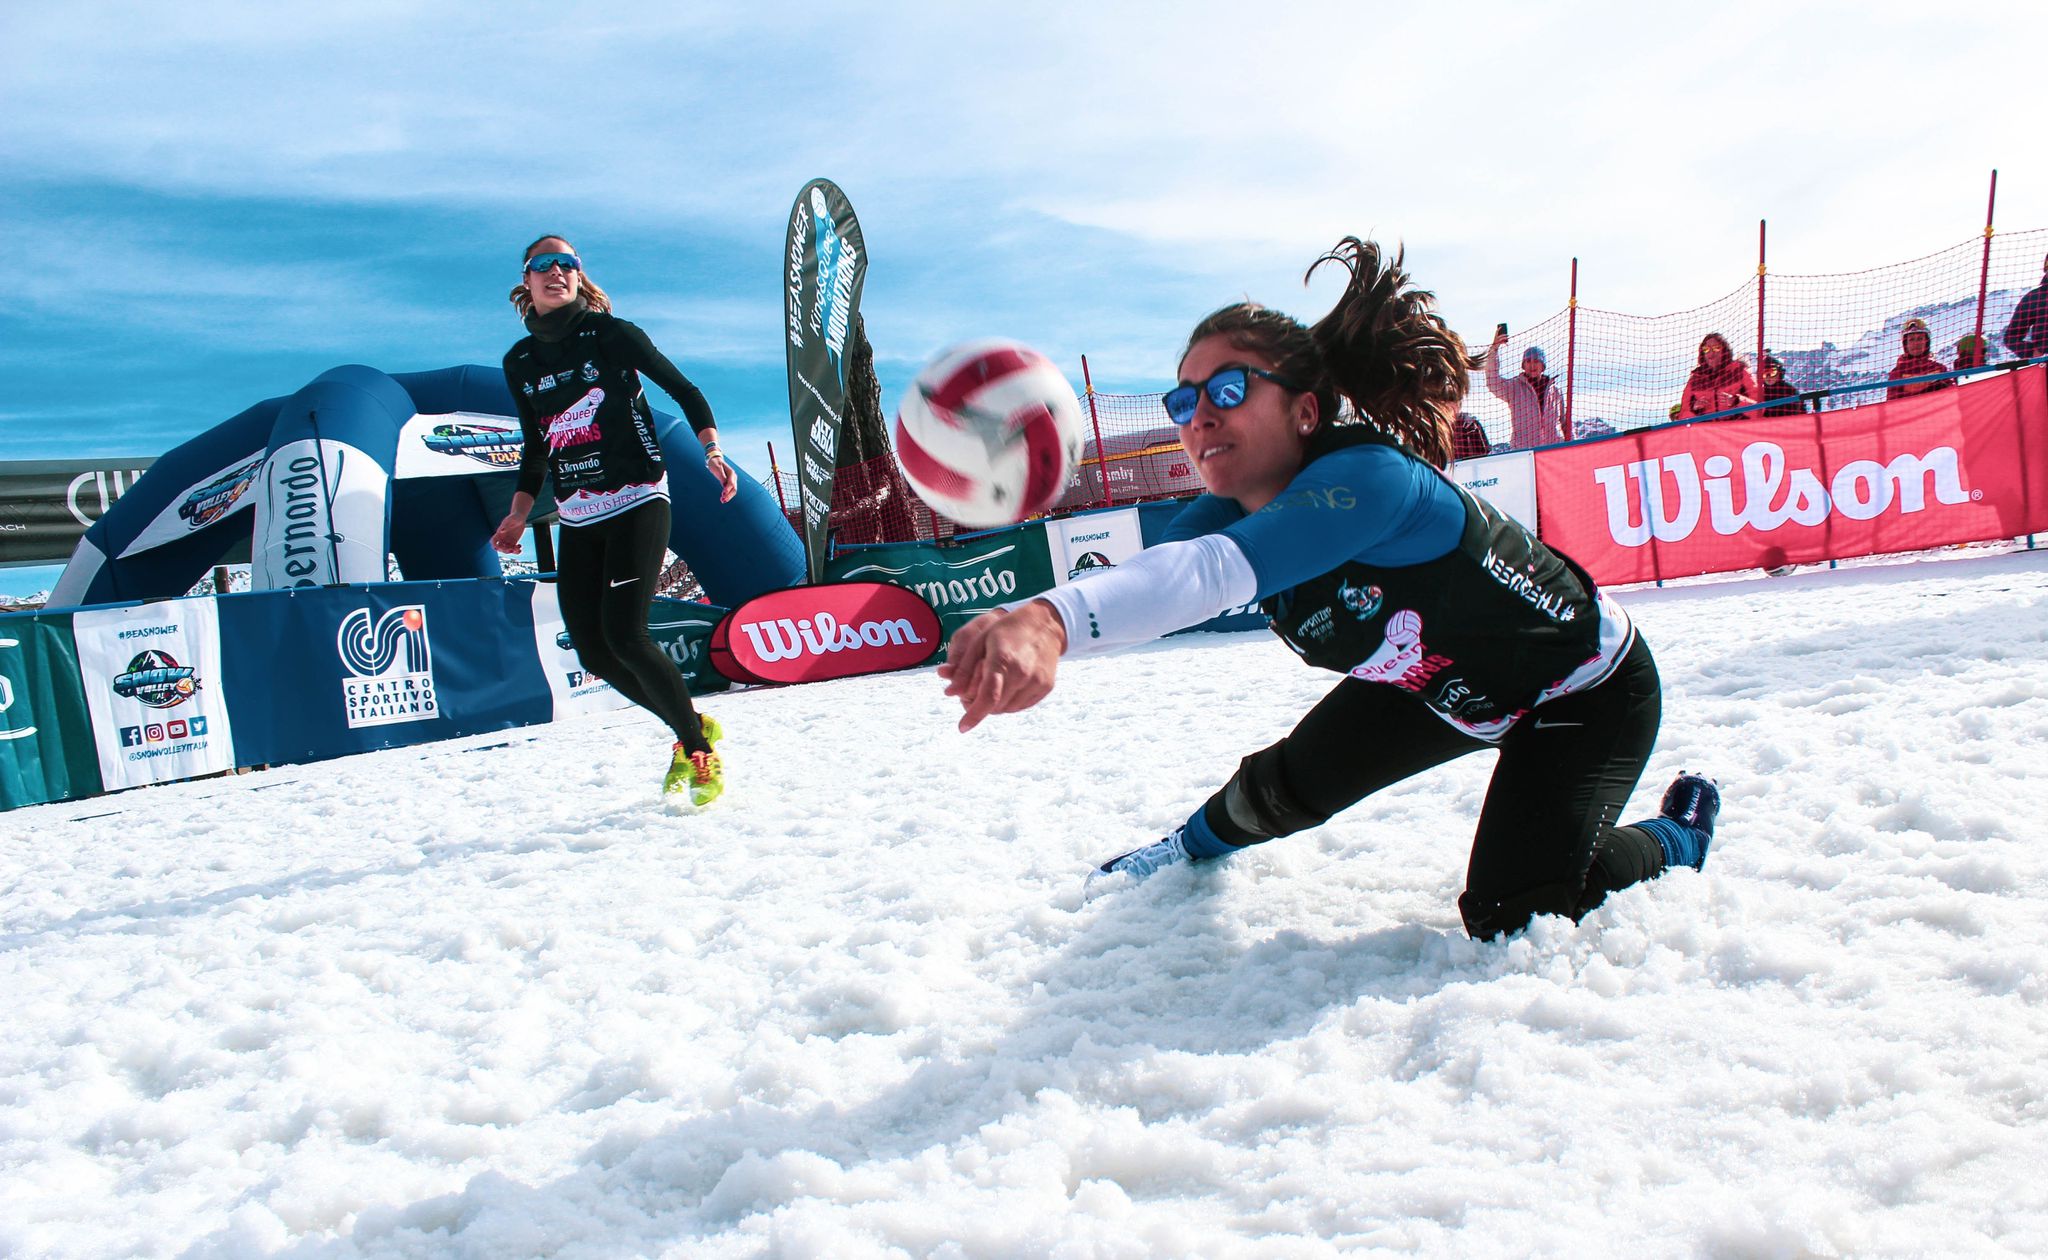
<point x="1482" y="634"/>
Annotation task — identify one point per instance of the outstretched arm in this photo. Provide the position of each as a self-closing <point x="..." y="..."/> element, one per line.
<point x="1005" y="661"/>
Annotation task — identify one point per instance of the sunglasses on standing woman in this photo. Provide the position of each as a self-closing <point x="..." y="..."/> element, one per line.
<point x="548" y="262"/>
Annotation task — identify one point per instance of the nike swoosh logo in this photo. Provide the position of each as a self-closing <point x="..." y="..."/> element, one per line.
<point x="627" y="582"/>
<point x="1544" y="726"/>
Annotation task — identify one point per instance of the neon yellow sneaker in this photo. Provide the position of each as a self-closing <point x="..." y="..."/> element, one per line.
<point x="697" y="777"/>
<point x="713" y="732"/>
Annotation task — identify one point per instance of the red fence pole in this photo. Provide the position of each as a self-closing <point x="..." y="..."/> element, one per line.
<point x="1984" y="275"/>
<point x="1760" y="274"/>
<point x="1101" y="456"/>
<point x="1571" y="348"/>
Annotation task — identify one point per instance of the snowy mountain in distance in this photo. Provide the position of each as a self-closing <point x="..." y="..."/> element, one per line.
<point x="1870" y="357"/>
<point x="1865" y="360"/>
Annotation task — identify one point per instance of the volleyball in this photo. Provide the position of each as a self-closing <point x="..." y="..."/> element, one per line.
<point x="988" y="433"/>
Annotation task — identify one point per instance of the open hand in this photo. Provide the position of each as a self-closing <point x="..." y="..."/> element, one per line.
<point x="728" y="480"/>
<point x="1004" y="662"/>
<point x="506" y="537"/>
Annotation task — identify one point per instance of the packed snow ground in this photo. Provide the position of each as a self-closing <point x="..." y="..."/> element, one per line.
<point x="486" y="999"/>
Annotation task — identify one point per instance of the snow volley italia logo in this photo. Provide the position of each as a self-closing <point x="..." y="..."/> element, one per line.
<point x="208" y="503"/>
<point x="390" y="667"/>
<point x="496" y="448"/>
<point x="154" y="678"/>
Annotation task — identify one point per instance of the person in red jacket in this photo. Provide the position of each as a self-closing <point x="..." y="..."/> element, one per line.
<point x="2027" y="335"/>
<point x="1915" y="361"/>
<point x="1969" y="352"/>
<point x="1468" y="439"/>
<point x="1771" y="377"/>
<point x="1721" y="382"/>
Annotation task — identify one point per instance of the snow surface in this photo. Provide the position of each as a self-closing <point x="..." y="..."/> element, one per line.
<point x="485" y="999"/>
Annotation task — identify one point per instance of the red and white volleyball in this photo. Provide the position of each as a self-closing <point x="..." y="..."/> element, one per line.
<point x="988" y="433"/>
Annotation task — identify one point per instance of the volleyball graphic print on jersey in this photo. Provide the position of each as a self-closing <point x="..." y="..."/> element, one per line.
<point x="988" y="434"/>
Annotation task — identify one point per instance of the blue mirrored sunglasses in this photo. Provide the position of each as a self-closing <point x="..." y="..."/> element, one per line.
<point x="548" y="262"/>
<point x="1226" y="389"/>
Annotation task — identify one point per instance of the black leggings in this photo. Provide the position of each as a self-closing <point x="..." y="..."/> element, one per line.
<point x="1547" y="841"/>
<point x="605" y="581"/>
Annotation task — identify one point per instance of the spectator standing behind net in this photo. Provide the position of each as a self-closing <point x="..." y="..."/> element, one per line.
<point x="1915" y="361"/>
<point x="1720" y="381"/>
<point x="2027" y="335"/>
<point x="1535" y="406"/>
<point x="1468" y="440"/>
<point x="1775" y="387"/>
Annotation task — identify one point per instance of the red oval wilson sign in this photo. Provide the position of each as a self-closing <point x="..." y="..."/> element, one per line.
<point x="810" y="633"/>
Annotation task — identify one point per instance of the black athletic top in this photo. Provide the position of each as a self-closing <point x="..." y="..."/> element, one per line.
<point x="1435" y="591"/>
<point x="576" y="382"/>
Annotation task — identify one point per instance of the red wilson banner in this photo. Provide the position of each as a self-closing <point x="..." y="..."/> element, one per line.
<point x="1966" y="464"/>
<point x="810" y="633"/>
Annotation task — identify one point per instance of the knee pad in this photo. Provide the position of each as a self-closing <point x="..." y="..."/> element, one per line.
<point x="1489" y="917"/>
<point x="1259" y="804"/>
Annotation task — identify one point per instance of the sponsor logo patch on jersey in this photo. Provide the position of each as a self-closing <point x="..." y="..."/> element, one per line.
<point x="1363" y="601"/>
<point x="578" y="424"/>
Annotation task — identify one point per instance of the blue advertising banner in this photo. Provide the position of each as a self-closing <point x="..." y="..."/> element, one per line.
<point x="322" y="672"/>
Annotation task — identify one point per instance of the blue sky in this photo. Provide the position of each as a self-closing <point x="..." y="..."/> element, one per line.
<point x="209" y="204"/>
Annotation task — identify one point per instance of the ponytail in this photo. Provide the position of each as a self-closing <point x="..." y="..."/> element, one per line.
<point x="1384" y="347"/>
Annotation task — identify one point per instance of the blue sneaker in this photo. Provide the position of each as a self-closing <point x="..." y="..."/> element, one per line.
<point x="1138" y="864"/>
<point x="1693" y="800"/>
<point x="1684" y="826"/>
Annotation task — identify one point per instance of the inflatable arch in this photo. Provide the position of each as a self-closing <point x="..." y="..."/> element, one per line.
<point x="324" y="485"/>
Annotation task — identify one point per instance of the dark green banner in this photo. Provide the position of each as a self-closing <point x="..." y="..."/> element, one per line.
<point x="682" y="630"/>
<point x="960" y="581"/>
<point x="46" y="745"/>
<point x="824" y="262"/>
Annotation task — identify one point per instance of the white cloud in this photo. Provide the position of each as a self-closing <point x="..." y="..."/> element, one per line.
<point x="1090" y="177"/>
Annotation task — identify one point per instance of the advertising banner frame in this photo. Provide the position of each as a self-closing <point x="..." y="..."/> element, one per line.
<point x="1958" y="465"/>
<point x="47" y="505"/>
<point x="825" y="262"/>
<point x="46" y="739"/>
<point x="152" y="680"/>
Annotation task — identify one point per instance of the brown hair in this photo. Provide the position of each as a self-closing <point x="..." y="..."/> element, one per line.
<point x="1383" y="348"/>
<point x="1727" y="351"/>
<point x="522" y="301"/>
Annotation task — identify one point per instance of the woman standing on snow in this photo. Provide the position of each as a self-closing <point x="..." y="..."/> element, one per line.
<point x="575" y="380"/>
<point x="1457" y="628"/>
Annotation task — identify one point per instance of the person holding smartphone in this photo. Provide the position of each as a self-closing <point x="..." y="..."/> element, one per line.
<point x="1535" y="404"/>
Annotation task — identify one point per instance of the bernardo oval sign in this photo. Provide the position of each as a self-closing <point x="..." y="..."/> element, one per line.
<point x="810" y="633"/>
